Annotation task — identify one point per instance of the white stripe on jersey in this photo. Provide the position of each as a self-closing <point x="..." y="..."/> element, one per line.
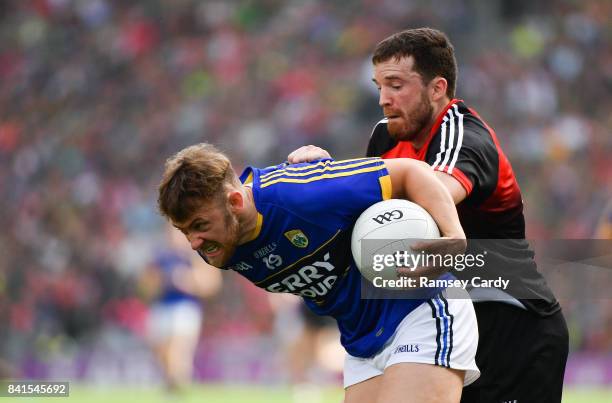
<point x="443" y="134"/>
<point x="451" y="138"/>
<point x="381" y="121"/>
<point x="459" y="140"/>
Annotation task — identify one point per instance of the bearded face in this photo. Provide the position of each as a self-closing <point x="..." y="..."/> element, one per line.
<point x="403" y="98"/>
<point x="212" y="231"/>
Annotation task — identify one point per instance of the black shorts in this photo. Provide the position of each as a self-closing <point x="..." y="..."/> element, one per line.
<point x="521" y="356"/>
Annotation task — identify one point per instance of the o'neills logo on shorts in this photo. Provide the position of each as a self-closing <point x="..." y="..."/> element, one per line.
<point x="407" y="348"/>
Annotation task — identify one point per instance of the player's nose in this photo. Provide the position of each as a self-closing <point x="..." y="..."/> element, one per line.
<point x="383" y="98"/>
<point x="195" y="241"/>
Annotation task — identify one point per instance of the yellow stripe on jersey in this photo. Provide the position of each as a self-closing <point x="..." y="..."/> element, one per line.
<point x="317" y="170"/>
<point x="324" y="176"/>
<point x="385" y="187"/>
<point x="257" y="229"/>
<point x="328" y="165"/>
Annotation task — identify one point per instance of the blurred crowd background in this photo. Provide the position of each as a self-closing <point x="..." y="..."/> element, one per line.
<point x="96" y="94"/>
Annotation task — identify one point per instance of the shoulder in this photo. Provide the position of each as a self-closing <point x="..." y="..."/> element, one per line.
<point x="461" y="131"/>
<point x="312" y="180"/>
<point x="475" y="129"/>
<point x="465" y="148"/>
<point x="324" y="189"/>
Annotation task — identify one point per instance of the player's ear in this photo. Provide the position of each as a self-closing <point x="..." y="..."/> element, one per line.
<point x="437" y="88"/>
<point x="235" y="200"/>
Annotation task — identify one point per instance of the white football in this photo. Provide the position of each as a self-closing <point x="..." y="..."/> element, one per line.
<point x="385" y="228"/>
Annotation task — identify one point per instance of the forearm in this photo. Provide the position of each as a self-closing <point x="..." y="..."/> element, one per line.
<point x="415" y="181"/>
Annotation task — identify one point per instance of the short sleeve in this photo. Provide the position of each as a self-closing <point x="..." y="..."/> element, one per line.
<point x="464" y="149"/>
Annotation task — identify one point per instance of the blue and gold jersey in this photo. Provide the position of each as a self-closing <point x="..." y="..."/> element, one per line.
<point x="303" y="245"/>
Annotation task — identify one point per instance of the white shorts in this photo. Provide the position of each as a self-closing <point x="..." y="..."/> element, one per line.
<point x="181" y="318"/>
<point x="440" y="332"/>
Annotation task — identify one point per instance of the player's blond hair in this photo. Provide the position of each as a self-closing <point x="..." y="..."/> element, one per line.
<point x="195" y="175"/>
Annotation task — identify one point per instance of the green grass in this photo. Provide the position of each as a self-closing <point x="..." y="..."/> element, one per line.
<point x="244" y="394"/>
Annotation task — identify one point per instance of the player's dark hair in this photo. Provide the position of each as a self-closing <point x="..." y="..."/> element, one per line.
<point x="433" y="53"/>
<point x="195" y="175"/>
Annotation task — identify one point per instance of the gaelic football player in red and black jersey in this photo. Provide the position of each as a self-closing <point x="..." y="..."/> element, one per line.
<point x="523" y="343"/>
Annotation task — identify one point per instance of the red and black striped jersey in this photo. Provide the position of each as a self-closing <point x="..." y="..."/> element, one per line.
<point x="461" y="144"/>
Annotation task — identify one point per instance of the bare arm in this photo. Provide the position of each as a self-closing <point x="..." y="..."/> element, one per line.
<point x="415" y="181"/>
<point x="455" y="188"/>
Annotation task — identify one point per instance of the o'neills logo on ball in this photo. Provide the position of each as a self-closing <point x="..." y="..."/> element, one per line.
<point x="388" y="216"/>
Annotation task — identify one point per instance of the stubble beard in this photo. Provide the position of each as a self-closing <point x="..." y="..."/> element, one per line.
<point x="415" y="124"/>
<point x="230" y="243"/>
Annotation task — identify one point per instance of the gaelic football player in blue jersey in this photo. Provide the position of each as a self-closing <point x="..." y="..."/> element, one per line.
<point x="288" y="229"/>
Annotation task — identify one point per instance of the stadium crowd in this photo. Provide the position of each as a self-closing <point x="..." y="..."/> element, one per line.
<point x="95" y="94"/>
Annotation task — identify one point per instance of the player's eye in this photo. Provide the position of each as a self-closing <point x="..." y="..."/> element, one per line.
<point x="200" y="227"/>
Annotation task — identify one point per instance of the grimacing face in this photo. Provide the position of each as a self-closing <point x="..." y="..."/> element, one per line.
<point x="213" y="232"/>
<point x="403" y="98"/>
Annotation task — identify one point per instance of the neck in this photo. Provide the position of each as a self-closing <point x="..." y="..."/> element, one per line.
<point x="247" y="217"/>
<point x="437" y="108"/>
